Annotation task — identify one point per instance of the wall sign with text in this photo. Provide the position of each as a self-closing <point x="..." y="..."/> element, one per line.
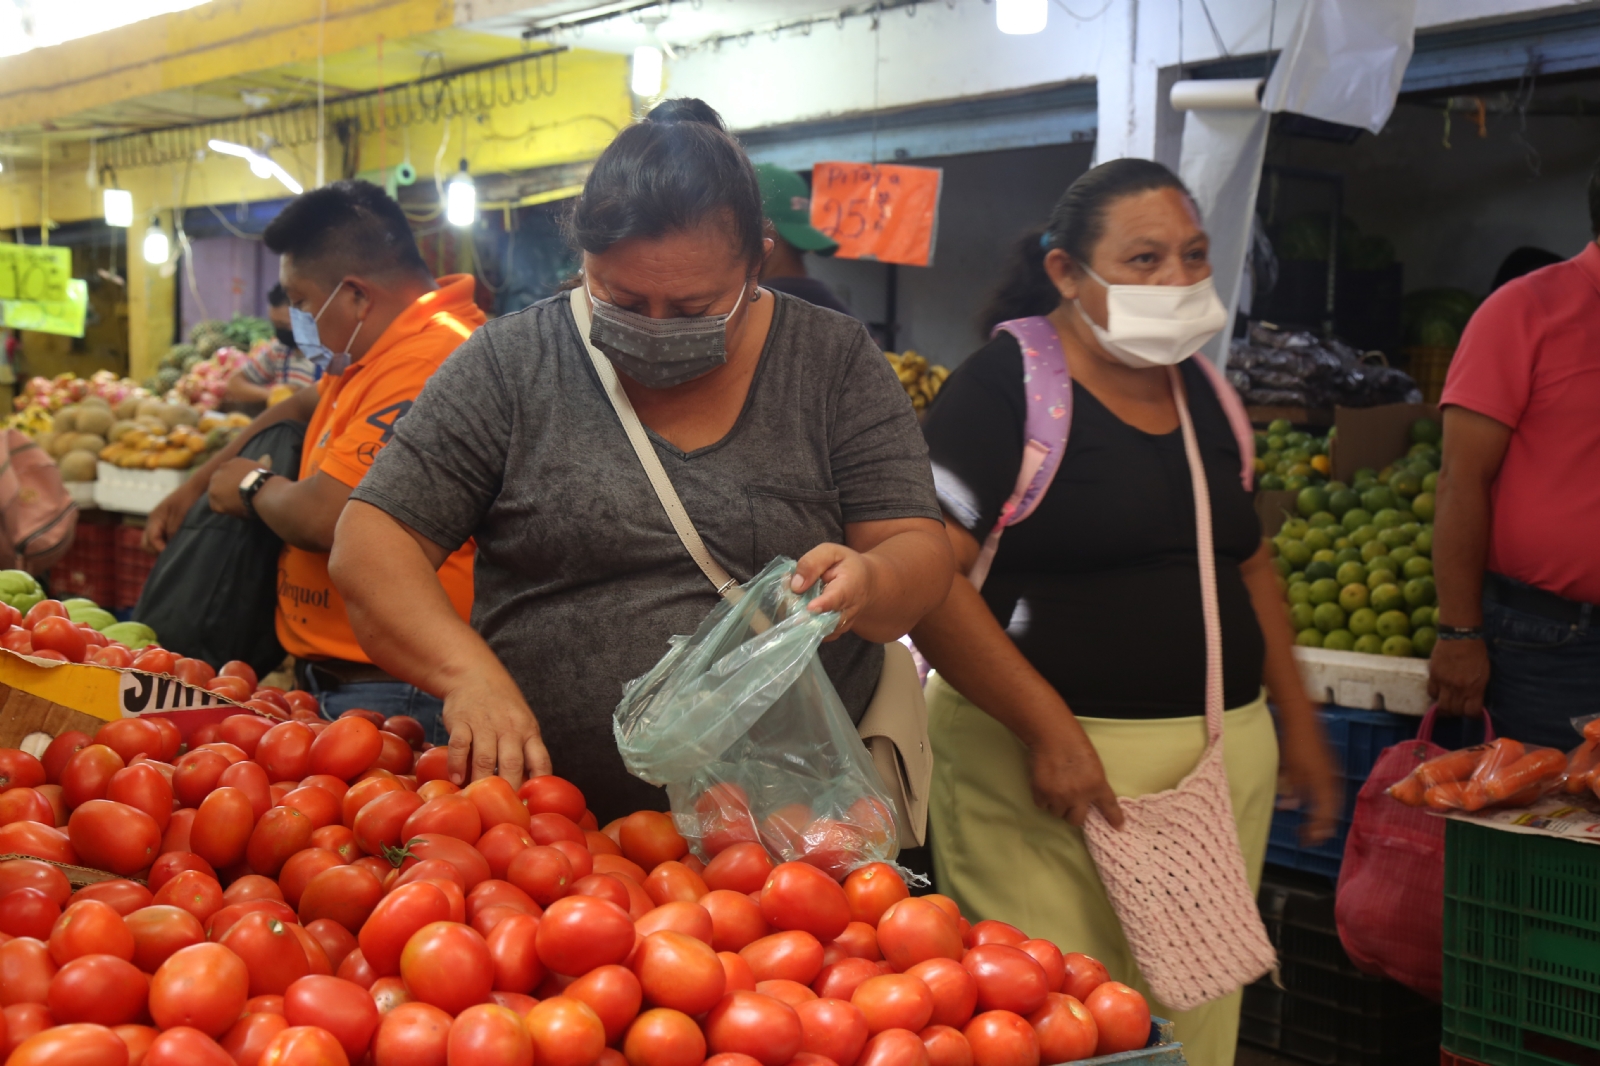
<point x="885" y="212"/>
<point x="38" y="291"/>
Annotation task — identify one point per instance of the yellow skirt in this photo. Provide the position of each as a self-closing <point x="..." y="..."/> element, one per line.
<point x="999" y="856"/>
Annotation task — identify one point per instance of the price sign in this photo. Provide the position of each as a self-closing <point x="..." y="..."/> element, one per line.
<point x="38" y="291"/>
<point x="65" y="316"/>
<point x="884" y="212"/>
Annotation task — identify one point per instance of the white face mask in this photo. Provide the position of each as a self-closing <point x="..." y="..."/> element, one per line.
<point x="1156" y="325"/>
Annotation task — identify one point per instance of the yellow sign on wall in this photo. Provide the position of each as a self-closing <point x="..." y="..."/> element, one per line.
<point x="38" y="291"/>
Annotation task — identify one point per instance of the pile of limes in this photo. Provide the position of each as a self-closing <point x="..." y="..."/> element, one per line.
<point x="1357" y="559"/>
<point x="1287" y="458"/>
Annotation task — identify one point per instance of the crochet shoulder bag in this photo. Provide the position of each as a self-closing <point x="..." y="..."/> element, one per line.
<point x="1174" y="873"/>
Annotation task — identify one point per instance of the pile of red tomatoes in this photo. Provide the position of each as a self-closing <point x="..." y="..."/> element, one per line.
<point x="320" y="894"/>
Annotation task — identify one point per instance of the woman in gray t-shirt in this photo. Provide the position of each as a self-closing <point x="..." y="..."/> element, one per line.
<point x="780" y="425"/>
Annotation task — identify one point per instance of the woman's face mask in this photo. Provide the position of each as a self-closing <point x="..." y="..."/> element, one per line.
<point x="659" y="353"/>
<point x="1156" y="325"/>
<point x="304" y="326"/>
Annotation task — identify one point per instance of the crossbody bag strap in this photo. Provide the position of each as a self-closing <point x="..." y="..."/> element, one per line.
<point x="1207" y="559"/>
<point x="720" y="579"/>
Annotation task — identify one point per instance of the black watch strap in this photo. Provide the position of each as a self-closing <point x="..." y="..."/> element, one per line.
<point x="247" y="493"/>
<point x="1460" y="632"/>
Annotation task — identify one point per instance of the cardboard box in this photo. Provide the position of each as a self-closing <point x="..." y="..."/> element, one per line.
<point x="1374" y="436"/>
<point x="1273" y="508"/>
<point x="40" y="699"/>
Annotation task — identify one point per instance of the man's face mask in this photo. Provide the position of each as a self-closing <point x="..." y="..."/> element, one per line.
<point x="660" y="352"/>
<point x="306" y="338"/>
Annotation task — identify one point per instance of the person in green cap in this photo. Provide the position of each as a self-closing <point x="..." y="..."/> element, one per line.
<point x="786" y="201"/>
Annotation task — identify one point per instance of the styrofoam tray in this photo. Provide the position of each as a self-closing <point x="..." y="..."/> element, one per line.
<point x="82" y="493"/>
<point x="134" y="491"/>
<point x="1366" y="682"/>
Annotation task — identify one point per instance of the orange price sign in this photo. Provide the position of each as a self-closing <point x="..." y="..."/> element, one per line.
<point x="885" y="212"/>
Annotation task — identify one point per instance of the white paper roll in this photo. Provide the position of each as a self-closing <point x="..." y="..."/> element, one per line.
<point x="1218" y="94"/>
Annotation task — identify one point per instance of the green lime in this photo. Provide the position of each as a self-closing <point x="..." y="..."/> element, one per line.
<point x="1384" y="598"/>
<point x="1298" y="577"/>
<point x="1347" y="555"/>
<point x="1299" y="592"/>
<point x="1393" y="537"/>
<point x="1387" y="518"/>
<point x="1296" y="552"/>
<point x="1328" y="617"/>
<point x="1397" y="646"/>
<point x="1310" y="501"/>
<point x="1393" y="624"/>
<point x="1424" y="542"/>
<point x="1422" y="616"/>
<point x="1318" y="569"/>
<point x="1302" y="616"/>
<point x="1370" y="643"/>
<point x="1422" y="641"/>
<point x="1304" y="471"/>
<point x="1260" y="442"/>
<point x="1411" y="529"/>
<point x="1424" y="431"/>
<point x="1366" y="473"/>
<point x="1354" y="596"/>
<point x="1324" y="555"/>
<point x="1336" y="486"/>
<point x="1317" y="539"/>
<point x="1402" y="555"/>
<point x="1355" y="518"/>
<point x="1343" y="502"/>
<point x="1281" y="565"/>
<point x="1339" y="640"/>
<point x="1325" y="520"/>
<point x="1371" y="550"/>
<point x="1385" y="474"/>
<point x="1377" y="575"/>
<point x="1324" y="590"/>
<point x="1343" y="544"/>
<point x="1364" y="535"/>
<point x="1350" y="574"/>
<point x="1377" y="498"/>
<point x="1405" y="484"/>
<point x="1294" y="528"/>
<point x="1416" y="566"/>
<point x="1279" y="426"/>
<point x="1420" y="592"/>
<point x="1297" y="452"/>
<point x="1430" y="484"/>
<point x="1381" y="562"/>
<point x="1363" y="621"/>
<point x="1295" y="482"/>
<point x="1309" y="638"/>
<point x="1270" y="482"/>
<point x="1422" y="505"/>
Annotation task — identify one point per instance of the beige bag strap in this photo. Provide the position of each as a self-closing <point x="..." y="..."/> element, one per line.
<point x="720" y="579"/>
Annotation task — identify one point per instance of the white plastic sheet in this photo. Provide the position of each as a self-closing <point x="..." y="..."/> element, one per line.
<point x="1344" y="61"/>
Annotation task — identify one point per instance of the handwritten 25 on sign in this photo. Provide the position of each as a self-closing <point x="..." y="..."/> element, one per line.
<point x="889" y="213"/>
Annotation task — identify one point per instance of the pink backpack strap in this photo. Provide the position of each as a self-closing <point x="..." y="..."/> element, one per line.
<point x="1047" y="386"/>
<point x="1233" y="408"/>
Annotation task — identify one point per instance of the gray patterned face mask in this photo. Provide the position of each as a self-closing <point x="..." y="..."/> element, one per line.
<point x="659" y="353"/>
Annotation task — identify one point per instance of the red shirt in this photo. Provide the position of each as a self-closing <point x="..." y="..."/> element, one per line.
<point x="1530" y="358"/>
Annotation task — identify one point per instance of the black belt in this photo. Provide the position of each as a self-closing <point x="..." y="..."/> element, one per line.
<point x="337" y="673"/>
<point x="1536" y="601"/>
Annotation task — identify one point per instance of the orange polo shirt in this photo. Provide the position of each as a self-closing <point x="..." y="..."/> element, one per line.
<point x="355" y="417"/>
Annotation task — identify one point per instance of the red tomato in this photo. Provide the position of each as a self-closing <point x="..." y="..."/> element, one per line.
<point x="1121" y="1017"/>
<point x="130" y="737"/>
<point x="406" y="728"/>
<point x="798" y="896"/>
<point x="171" y="863"/>
<point x="1084" y="974"/>
<point x="947" y="1046"/>
<point x="736" y="920"/>
<point x="89" y="927"/>
<point x="688" y="918"/>
<point x="600" y="844"/>
<point x="102" y="989"/>
<point x="319" y="805"/>
<point x="833" y="1028"/>
<point x="280" y="834"/>
<point x="346" y="748"/>
<point x="430" y="870"/>
<point x="235" y="668"/>
<point x="873" y="889"/>
<point x="955" y="990"/>
<point x="337" y="839"/>
<point x="159" y="931"/>
<point x="602" y="886"/>
<point x="193" y="672"/>
<point x="448" y="965"/>
<point x="679" y="972"/>
<point x="565" y="1032"/>
<point x="499" y="845"/>
<point x="245" y="731"/>
<point x="1008" y="978"/>
<point x="204" y="986"/>
<point x="1001" y="1038"/>
<point x="395" y="755"/>
<point x="840" y="980"/>
<point x="18" y="640"/>
<point x="9" y="616"/>
<point x="1065" y="1028"/>
<point x="664" y="1038"/>
<point x="379" y="825"/>
<point x="25" y="971"/>
<point x="335" y="940"/>
<point x="250" y="1036"/>
<point x="304" y="1045"/>
<point x="87" y="774"/>
<point x="916" y="929"/>
<point x="491" y="1035"/>
<point x="649" y="838"/>
<point x="613" y="993"/>
<point x="612" y="864"/>
<point x="542" y="872"/>
<point x="740" y="978"/>
<point x="248" y="777"/>
<point x="38" y="840"/>
<point x="1050" y="959"/>
<point x="154" y="660"/>
<point x="115" y="656"/>
<point x="458" y="853"/>
<point x="492" y="893"/>
<point x="55" y="756"/>
<point x="31" y="873"/>
<point x="395" y="919"/>
<point x="59" y="634"/>
<point x="433" y="765"/>
<point x="354" y="968"/>
<point x="194" y="891"/>
<point x="894" y="1047"/>
<point x="93" y="640"/>
<point x="197" y="774"/>
<point x="284" y="751"/>
<point x="346" y="894"/>
<point x="28" y="912"/>
<point x="552" y="795"/>
<point x="114" y="836"/>
<point x="893" y="1001"/>
<point x="222" y="827"/>
<point x="792" y="956"/>
<point x="993" y="932"/>
<point x="751" y="1024"/>
<point x="144" y="787"/>
<point x="791" y="992"/>
<point x="121" y="895"/>
<point x="578" y="933"/>
<point x="515" y="956"/>
<point x="230" y="688"/>
<point x="413" y="1034"/>
<point x="71" y="1045"/>
<point x="498" y="804"/>
<point x="270" y="949"/>
<point x="138" y="1038"/>
<point x="859" y="941"/>
<point x="343" y="1009"/>
<point x="672" y="880"/>
<point x="725" y="819"/>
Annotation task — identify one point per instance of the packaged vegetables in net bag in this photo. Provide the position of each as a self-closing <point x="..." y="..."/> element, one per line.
<point x="742" y="726"/>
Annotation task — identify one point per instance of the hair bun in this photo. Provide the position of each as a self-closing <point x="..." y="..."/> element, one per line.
<point x="686" y="109"/>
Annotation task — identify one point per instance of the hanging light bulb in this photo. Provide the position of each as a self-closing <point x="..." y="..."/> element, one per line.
<point x="156" y="245"/>
<point x="1021" y="17"/>
<point x="647" y="70"/>
<point x="461" y="198"/>
<point x="118" y="204"/>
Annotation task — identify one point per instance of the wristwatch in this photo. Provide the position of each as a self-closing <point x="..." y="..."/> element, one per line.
<point x="250" y="485"/>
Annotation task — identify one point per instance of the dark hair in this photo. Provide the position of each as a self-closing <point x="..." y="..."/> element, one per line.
<point x="1594" y="200"/>
<point x="277" y="297"/>
<point x="349" y="227"/>
<point x="668" y="172"/>
<point x="1520" y="261"/>
<point x="1076" y="225"/>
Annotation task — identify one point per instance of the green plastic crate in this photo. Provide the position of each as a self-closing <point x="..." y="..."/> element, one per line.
<point x="1521" y="948"/>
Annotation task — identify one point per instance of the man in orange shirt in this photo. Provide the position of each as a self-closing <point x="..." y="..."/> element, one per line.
<point x="370" y="315"/>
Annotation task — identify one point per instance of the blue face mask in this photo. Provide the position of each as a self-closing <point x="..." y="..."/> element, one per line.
<point x="309" y="341"/>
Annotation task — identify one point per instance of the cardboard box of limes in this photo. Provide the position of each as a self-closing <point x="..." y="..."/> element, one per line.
<point x="1356" y="557"/>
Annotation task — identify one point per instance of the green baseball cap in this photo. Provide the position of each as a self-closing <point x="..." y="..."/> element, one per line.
<point x="786" y="200"/>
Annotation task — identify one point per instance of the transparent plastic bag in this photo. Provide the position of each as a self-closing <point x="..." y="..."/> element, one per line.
<point x="1504" y="773"/>
<point x="742" y="726"/>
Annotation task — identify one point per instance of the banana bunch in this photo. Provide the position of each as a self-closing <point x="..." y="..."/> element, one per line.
<point x="920" y="379"/>
<point x="33" y="420"/>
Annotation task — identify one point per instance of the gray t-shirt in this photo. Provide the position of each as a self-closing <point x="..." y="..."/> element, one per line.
<point x="580" y="578"/>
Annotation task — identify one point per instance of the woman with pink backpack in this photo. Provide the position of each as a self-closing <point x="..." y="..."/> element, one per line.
<point x="1105" y="761"/>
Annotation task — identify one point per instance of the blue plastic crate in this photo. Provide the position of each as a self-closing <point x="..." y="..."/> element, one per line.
<point x="1162" y="1050"/>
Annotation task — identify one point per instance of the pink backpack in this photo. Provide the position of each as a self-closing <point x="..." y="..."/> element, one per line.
<point x="38" y="516"/>
<point x="1048" y="387"/>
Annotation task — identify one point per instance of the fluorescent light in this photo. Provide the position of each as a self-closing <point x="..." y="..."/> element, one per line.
<point x="647" y="64"/>
<point x="262" y="166"/>
<point x="461" y="198"/>
<point x="1021" y="17"/>
<point x="229" y="148"/>
<point x="156" y="245"/>
<point x="118" y="205"/>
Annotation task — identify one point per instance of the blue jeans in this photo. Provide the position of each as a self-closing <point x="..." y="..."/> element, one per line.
<point x="388" y="698"/>
<point x="1542" y="674"/>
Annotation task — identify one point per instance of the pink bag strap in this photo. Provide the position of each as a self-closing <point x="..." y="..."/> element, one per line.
<point x="1425" y="730"/>
<point x="1238" y="420"/>
<point x="1206" y="558"/>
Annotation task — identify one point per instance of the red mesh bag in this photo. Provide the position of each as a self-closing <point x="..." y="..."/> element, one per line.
<point x="1390" y="903"/>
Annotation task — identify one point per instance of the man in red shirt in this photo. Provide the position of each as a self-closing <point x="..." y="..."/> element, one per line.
<point x="1517" y="534"/>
